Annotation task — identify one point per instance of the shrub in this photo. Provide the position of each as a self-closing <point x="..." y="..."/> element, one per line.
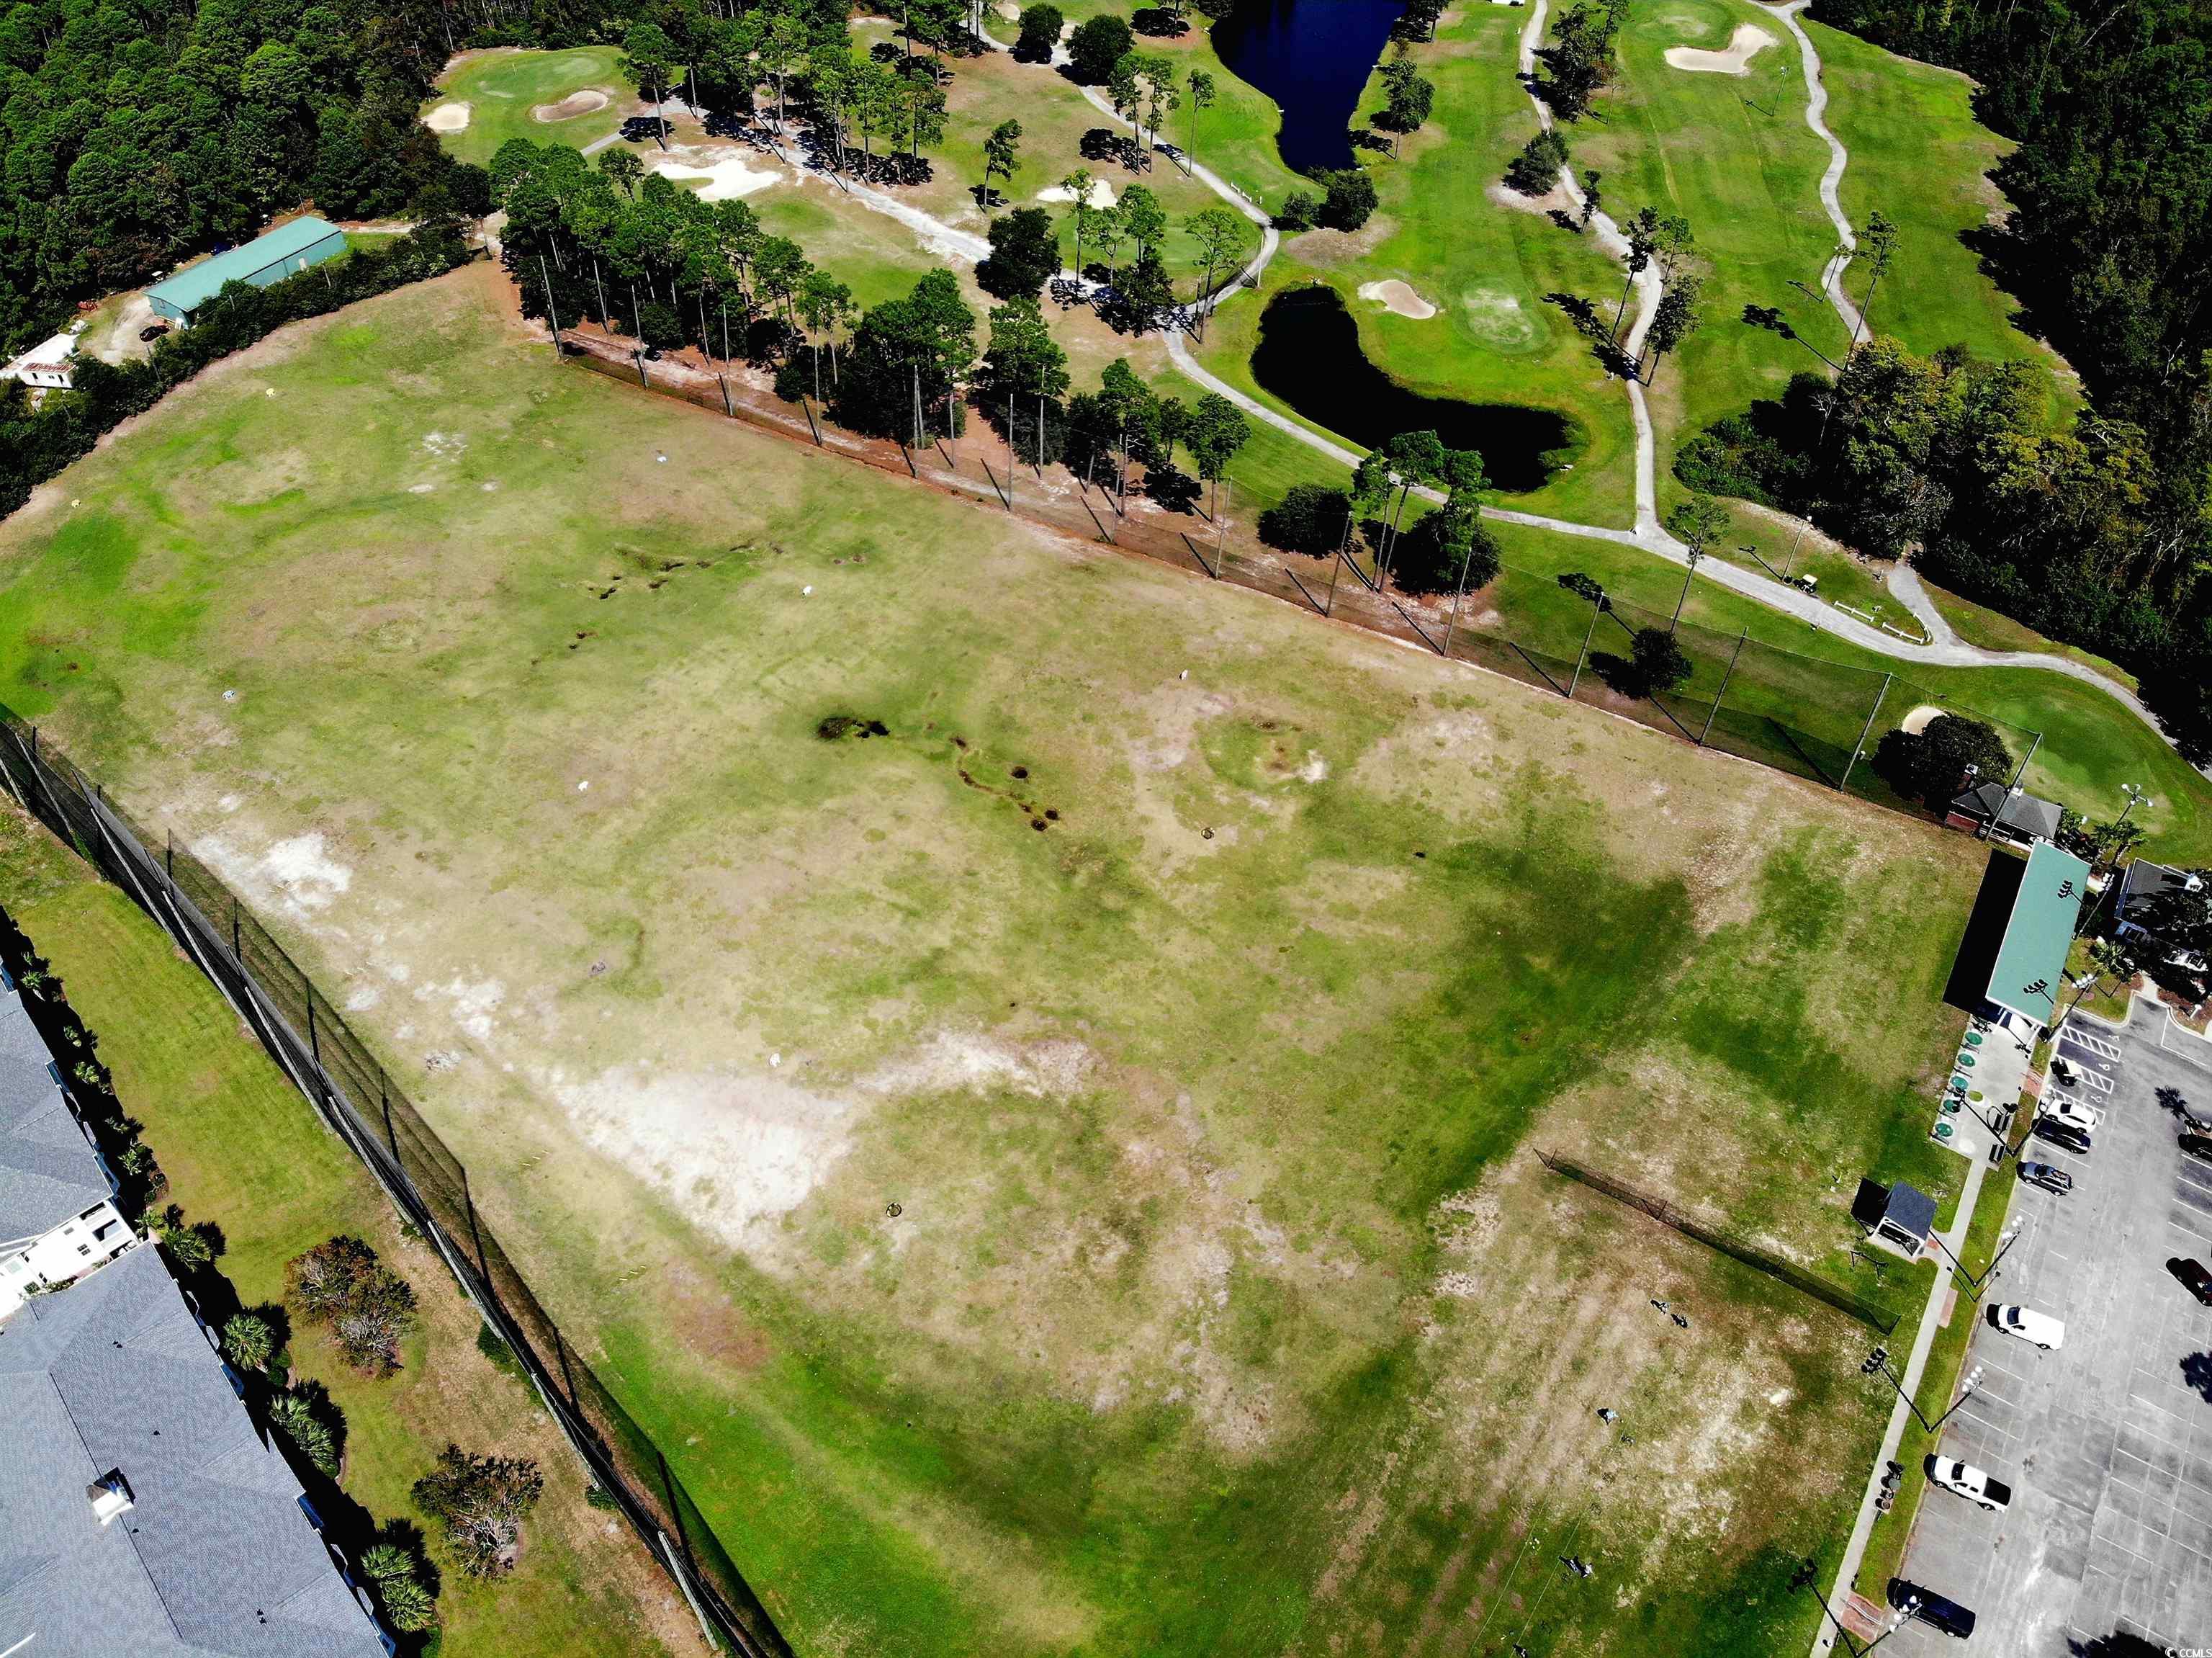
<point x="660" y="326"/>
<point x="482" y="1502"/>
<point x="1301" y="210"/>
<point x="368" y="1309"/>
<point x="1040" y="26"/>
<point x="247" y="1341"/>
<point x="191" y="1247"/>
<point x="299" y="1416"/>
<point x="1348" y="199"/>
<point x="1157" y="22"/>
<point x="1655" y="664"/>
<point x="1420" y="563"/>
<point x="408" y="1607"/>
<point x="1096" y="45"/>
<point x="1025" y="254"/>
<point x="1535" y="170"/>
<point x="1931" y="767"/>
<point x="1310" y="520"/>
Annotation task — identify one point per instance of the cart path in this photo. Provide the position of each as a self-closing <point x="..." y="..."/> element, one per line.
<point x="1816" y="111"/>
<point x="1944" y="650"/>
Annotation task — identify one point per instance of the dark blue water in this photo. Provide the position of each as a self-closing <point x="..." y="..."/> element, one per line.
<point x="1309" y="356"/>
<point x="1313" y="58"/>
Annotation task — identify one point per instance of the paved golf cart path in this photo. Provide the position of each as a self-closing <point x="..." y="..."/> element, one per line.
<point x="1816" y="111"/>
<point x="1944" y="649"/>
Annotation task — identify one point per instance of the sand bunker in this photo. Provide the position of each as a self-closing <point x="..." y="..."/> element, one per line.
<point x="576" y="104"/>
<point x="1748" y="40"/>
<point x="447" y="117"/>
<point x="1917" y="721"/>
<point x="1101" y="193"/>
<point x="1397" y="297"/>
<point x="728" y="173"/>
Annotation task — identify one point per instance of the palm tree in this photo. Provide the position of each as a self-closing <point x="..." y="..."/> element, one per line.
<point x="1880" y="245"/>
<point x="1696" y="523"/>
<point x="1078" y="185"/>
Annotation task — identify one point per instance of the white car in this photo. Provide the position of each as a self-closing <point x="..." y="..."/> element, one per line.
<point x="2072" y="1112"/>
<point x="2040" y="1328"/>
<point x="1971" y="1483"/>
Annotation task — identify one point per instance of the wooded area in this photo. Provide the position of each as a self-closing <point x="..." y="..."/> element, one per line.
<point x="135" y="132"/>
<point x="2104" y="531"/>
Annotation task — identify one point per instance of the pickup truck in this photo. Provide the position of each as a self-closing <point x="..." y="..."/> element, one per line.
<point x="1973" y="1483"/>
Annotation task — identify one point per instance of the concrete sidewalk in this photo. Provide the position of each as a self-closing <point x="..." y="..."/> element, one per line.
<point x="1894" y="1435"/>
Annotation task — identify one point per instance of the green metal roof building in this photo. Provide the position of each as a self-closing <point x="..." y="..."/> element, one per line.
<point x="2031" y="966"/>
<point x="270" y="257"/>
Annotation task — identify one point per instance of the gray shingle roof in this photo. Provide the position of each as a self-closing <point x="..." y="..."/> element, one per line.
<point x="216" y="1556"/>
<point x="48" y="1170"/>
<point x="2027" y="815"/>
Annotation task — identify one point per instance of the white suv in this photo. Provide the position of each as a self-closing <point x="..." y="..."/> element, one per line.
<point x="1971" y="1482"/>
<point x="2040" y="1328"/>
<point x="2072" y="1112"/>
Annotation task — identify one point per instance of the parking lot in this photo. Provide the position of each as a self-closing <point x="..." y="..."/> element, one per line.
<point x="2106" y="1441"/>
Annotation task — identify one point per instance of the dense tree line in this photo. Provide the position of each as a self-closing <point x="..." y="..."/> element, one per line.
<point x="2098" y="533"/>
<point x="134" y="132"/>
<point x="2083" y="532"/>
<point x="36" y="443"/>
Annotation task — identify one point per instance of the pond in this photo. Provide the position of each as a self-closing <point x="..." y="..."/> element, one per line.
<point x="1313" y="58"/>
<point x="1309" y="356"/>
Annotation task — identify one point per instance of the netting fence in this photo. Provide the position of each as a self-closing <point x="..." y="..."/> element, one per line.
<point x="314" y="1046"/>
<point x="1875" y="1316"/>
<point x="1811" y="716"/>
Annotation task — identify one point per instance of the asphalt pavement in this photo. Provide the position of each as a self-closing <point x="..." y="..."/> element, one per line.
<point x="2107" y="1440"/>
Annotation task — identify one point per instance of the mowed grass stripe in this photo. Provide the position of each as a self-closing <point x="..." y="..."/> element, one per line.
<point x="1178" y="1098"/>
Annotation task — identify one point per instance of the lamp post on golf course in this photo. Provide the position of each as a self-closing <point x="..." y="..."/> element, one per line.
<point x="1879" y="1360"/>
<point x="1806" y="1577"/>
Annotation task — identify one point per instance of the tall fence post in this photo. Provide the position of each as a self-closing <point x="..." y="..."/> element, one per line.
<point x="1714" y="713"/>
<point x="1597" y="609"/>
<point x="1844" y="786"/>
<point x="475" y="1235"/>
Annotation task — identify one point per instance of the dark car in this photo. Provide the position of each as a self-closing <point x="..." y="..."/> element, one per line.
<point x="2192" y="1277"/>
<point x="2197" y="1145"/>
<point x="153" y="330"/>
<point x="1930" y="1607"/>
<point x="2050" y="1178"/>
<point x="2061" y="1134"/>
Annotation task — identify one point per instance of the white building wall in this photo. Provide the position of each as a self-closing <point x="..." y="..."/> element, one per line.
<point x="71" y="1250"/>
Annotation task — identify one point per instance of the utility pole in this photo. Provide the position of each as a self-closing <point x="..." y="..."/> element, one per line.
<point x="550" y="312"/>
<point x="1714" y="713"/>
<point x="1864" y="731"/>
<point x="1976" y="1283"/>
<point x="1878" y="1360"/>
<point x="1597" y="609"/>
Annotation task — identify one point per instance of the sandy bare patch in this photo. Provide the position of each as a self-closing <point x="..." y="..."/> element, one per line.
<point x="1747" y="43"/>
<point x="730" y="1147"/>
<point x="576" y="103"/>
<point x="448" y="118"/>
<point x="1101" y="193"/>
<point x="728" y="173"/>
<point x="1917" y="721"/>
<point x="1399" y="298"/>
<point x="297" y="875"/>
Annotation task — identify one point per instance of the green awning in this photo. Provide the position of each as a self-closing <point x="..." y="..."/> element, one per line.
<point x="2031" y="969"/>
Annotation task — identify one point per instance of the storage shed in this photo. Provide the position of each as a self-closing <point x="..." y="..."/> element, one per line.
<point x="269" y="258"/>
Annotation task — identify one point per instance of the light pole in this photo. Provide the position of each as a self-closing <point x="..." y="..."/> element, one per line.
<point x="1878" y="1360"/>
<point x="1976" y="1283"/>
<point x="1807" y="1576"/>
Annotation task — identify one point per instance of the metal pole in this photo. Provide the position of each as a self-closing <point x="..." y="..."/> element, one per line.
<point x="1716" y="711"/>
<point x="2022" y="773"/>
<point x="1457" y="597"/>
<point x="550" y="312"/>
<point x="314" y="1049"/>
<point x="1868" y="727"/>
<point x="1597" y="609"/>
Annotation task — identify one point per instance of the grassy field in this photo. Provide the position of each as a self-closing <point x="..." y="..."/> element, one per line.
<point x="243" y="1149"/>
<point x="503" y="86"/>
<point x="1084" y="1238"/>
<point x="1918" y="155"/>
<point x="1490" y="271"/>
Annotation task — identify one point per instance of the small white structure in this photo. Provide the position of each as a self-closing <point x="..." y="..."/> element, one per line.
<point x="57" y="1215"/>
<point x="50" y="365"/>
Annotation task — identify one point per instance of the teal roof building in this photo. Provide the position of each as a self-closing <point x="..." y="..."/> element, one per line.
<point x="2031" y="965"/>
<point x="269" y="258"/>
